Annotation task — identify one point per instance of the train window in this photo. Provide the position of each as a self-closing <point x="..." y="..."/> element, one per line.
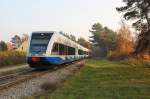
<point x="59" y="49"/>
<point x="39" y="43"/>
<point x="71" y="51"/>
<point x="55" y="50"/>
<point x="85" y="53"/>
<point x="62" y="49"/>
<point x="80" y="52"/>
<point x="66" y="50"/>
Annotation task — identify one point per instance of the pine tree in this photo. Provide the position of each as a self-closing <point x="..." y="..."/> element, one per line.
<point x="103" y="37"/>
<point x="139" y="10"/>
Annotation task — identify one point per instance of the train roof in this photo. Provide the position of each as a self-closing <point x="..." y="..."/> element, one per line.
<point x="44" y="32"/>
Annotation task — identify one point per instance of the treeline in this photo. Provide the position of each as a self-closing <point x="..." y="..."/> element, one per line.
<point x="121" y="44"/>
<point x="117" y="45"/>
<point x="9" y="55"/>
<point x="14" y="43"/>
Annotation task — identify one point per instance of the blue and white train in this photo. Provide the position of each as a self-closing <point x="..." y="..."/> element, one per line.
<point x="47" y="48"/>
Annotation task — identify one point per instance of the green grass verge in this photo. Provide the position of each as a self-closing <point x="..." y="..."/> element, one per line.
<point x="102" y="79"/>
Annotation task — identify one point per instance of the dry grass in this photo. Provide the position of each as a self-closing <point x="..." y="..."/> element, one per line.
<point x="137" y="61"/>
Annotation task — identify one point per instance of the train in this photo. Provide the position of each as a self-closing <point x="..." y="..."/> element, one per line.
<point x="49" y="48"/>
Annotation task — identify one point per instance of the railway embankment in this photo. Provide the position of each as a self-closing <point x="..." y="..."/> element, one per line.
<point x="37" y="83"/>
<point x="102" y="79"/>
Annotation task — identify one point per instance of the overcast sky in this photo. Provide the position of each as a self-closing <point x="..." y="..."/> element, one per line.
<point x="71" y="16"/>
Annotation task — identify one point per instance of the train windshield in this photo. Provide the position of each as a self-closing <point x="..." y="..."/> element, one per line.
<point x="39" y="42"/>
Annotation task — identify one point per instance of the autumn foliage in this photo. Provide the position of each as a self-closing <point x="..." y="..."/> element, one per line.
<point x="12" y="58"/>
<point x="124" y="45"/>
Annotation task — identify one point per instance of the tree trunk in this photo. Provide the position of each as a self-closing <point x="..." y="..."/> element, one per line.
<point x="143" y="43"/>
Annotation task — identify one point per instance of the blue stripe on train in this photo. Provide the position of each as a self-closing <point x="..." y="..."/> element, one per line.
<point x="47" y="60"/>
<point x="54" y="60"/>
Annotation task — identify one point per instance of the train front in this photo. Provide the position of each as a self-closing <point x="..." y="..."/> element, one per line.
<point x="37" y="48"/>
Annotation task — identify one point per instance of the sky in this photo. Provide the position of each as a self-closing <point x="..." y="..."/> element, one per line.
<point x="70" y="16"/>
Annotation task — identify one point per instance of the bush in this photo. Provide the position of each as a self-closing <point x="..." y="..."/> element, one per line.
<point x="12" y="58"/>
<point x="124" y="44"/>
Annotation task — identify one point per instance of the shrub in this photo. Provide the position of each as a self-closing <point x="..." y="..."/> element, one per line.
<point x="12" y="58"/>
<point x="136" y="61"/>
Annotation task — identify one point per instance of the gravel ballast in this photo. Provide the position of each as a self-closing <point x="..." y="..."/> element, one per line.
<point x="32" y="86"/>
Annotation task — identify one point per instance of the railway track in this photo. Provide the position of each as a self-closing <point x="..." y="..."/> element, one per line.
<point x="11" y="79"/>
<point x="14" y="79"/>
<point x="4" y="77"/>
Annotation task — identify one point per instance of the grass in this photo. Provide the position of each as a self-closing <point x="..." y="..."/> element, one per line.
<point x="102" y="79"/>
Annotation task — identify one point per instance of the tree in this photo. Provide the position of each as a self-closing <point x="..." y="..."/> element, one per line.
<point x="81" y="41"/>
<point x="25" y="37"/>
<point x="16" y="41"/>
<point x="72" y="37"/>
<point x="3" y="46"/>
<point x="103" y="37"/>
<point x="138" y="10"/>
<point x="84" y="43"/>
<point x="124" y="42"/>
<point x="96" y="30"/>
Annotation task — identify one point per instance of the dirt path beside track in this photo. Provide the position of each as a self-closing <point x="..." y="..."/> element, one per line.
<point x="12" y="68"/>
